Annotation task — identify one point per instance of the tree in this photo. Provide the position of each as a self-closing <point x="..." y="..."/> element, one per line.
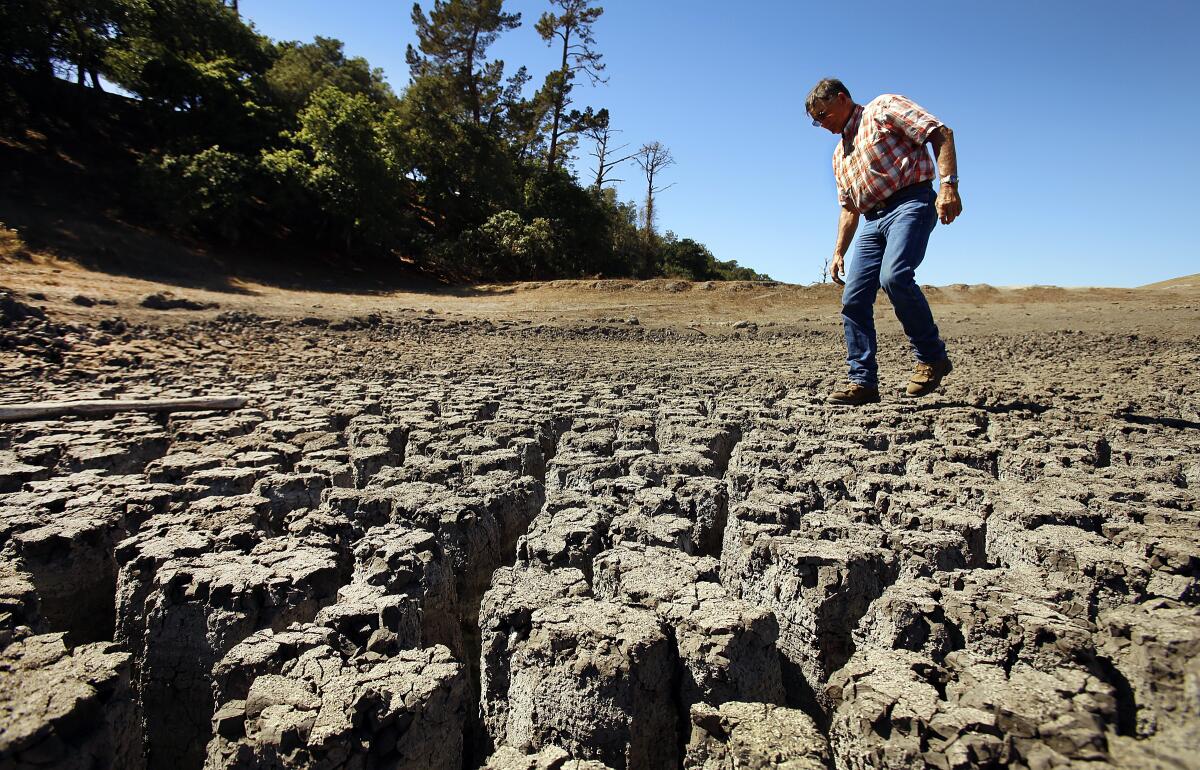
<point x="453" y="41"/>
<point x="304" y="68"/>
<point x="574" y="28"/>
<point x="346" y="153"/>
<point x="202" y="66"/>
<point x="653" y="158"/>
<point x="601" y="135"/>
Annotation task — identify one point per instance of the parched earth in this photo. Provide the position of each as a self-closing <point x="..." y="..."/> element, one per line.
<point x="558" y="536"/>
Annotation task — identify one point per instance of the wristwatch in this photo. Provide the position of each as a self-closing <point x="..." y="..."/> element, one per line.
<point x="950" y="179"/>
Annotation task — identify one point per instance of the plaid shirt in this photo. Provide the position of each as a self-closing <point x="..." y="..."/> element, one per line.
<point x="883" y="150"/>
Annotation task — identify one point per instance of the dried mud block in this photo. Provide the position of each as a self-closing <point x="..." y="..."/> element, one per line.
<point x="287" y="492"/>
<point x="223" y="481"/>
<point x="667" y="531"/>
<point x="726" y="646"/>
<point x="195" y="609"/>
<point x="323" y="708"/>
<point x="19" y="614"/>
<point x="899" y="709"/>
<point x="505" y="619"/>
<point x="71" y="565"/>
<point x="128" y="450"/>
<point x="714" y="442"/>
<point x="1108" y="575"/>
<point x="266" y="652"/>
<point x="1000" y="617"/>
<point x="67" y="708"/>
<point x="479" y="528"/>
<point x="375" y="431"/>
<point x="703" y="501"/>
<point x="567" y="537"/>
<point x="596" y="679"/>
<point x="365" y="462"/>
<point x="817" y="590"/>
<point x="924" y="553"/>
<point x="578" y="472"/>
<point x="373" y="619"/>
<point x="1173" y="551"/>
<point x="1155" y="649"/>
<point x="14" y="473"/>
<point x="754" y="736"/>
<point x="338" y="471"/>
<point x="185" y="427"/>
<point x="550" y="758"/>
<point x="404" y="562"/>
<point x="686" y="462"/>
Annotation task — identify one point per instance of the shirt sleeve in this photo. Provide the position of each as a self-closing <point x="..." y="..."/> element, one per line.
<point x="908" y="117"/>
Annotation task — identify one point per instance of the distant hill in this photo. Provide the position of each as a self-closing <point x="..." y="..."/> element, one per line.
<point x="1182" y="282"/>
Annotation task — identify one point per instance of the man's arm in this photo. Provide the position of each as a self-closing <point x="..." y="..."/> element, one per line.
<point x="949" y="205"/>
<point x="847" y="224"/>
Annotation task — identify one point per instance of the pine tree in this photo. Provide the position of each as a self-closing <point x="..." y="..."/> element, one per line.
<point x="574" y="28"/>
<point x="453" y="41"/>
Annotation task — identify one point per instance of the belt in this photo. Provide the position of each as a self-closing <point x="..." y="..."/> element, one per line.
<point x="901" y="195"/>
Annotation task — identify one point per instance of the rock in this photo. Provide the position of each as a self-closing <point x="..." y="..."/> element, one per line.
<point x="67" y="708"/>
<point x="165" y="300"/>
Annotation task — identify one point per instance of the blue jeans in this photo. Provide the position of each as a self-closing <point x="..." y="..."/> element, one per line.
<point x="890" y="246"/>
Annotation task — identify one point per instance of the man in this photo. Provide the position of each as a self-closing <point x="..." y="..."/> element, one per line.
<point x="884" y="175"/>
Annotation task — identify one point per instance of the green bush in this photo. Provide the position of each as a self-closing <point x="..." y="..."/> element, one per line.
<point x="205" y="192"/>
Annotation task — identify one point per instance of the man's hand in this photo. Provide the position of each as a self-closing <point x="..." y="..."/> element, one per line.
<point x="837" y="268"/>
<point x="949" y="205"/>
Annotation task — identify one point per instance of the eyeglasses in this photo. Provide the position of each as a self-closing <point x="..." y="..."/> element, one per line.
<point x="819" y="117"/>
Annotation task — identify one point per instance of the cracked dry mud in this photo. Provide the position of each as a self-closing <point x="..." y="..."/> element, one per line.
<point x="439" y="542"/>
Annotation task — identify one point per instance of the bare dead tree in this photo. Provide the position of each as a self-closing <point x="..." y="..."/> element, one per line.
<point x="825" y="271"/>
<point x="602" y="137"/>
<point x="653" y="158"/>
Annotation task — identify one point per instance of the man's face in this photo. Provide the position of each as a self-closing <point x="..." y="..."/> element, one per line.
<point x="831" y="114"/>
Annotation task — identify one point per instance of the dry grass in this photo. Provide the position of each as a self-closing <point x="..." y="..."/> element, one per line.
<point x="12" y="247"/>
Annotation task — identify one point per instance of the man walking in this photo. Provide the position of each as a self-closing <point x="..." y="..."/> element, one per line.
<point x="885" y="175"/>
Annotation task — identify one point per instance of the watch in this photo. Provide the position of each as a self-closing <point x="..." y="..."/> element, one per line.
<point x="950" y="179"/>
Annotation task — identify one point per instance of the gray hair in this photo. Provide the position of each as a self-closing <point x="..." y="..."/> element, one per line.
<point x="825" y="90"/>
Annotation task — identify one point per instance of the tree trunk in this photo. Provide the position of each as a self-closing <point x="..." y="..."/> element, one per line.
<point x="559" y="98"/>
<point x="473" y="87"/>
<point x="51" y="409"/>
<point x="650" y="202"/>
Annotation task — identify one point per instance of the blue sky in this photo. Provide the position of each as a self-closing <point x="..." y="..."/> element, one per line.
<point x="1073" y="120"/>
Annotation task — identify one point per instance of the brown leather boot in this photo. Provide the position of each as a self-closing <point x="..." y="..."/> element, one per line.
<point x="854" y="395"/>
<point x="927" y="377"/>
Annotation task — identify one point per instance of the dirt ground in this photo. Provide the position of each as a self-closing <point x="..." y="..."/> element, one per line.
<point x="1171" y="308"/>
<point x="613" y="521"/>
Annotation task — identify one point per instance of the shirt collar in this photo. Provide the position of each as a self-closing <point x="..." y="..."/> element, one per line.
<point x="851" y="127"/>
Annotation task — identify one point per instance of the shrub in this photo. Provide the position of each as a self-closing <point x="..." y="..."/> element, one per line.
<point x="204" y="192"/>
<point x="11" y="245"/>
